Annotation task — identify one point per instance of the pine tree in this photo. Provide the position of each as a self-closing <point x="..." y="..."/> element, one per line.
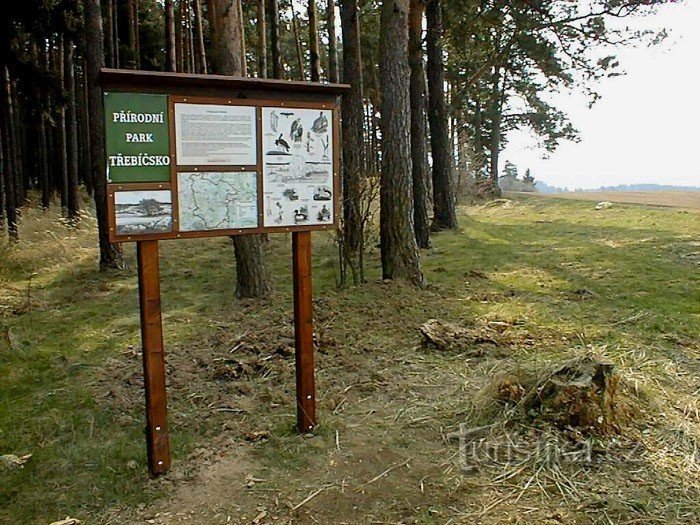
<point x="444" y="195"/>
<point x="419" y="126"/>
<point x="170" y="56"/>
<point x="110" y="254"/>
<point x="262" y="39"/>
<point x="333" y="74"/>
<point x="398" y="242"/>
<point x="313" y="43"/>
<point x="353" y="138"/>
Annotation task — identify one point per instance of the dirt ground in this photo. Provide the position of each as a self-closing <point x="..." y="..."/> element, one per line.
<point x="674" y="199"/>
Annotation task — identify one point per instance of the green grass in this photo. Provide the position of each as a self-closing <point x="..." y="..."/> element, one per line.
<point x="559" y="267"/>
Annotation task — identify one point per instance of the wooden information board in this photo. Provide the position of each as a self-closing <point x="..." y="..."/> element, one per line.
<point x="189" y="166"/>
<point x="206" y="155"/>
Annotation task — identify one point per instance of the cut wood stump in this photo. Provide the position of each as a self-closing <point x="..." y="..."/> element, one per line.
<point x="580" y="394"/>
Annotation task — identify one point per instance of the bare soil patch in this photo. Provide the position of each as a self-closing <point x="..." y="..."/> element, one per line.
<point x="674" y="199"/>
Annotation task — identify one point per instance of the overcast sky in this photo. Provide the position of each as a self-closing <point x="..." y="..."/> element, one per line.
<point x="645" y="129"/>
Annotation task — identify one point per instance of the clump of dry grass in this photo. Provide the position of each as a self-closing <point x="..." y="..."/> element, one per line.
<point x="48" y="243"/>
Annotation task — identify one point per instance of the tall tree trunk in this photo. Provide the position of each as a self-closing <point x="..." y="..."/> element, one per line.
<point x="419" y="125"/>
<point x="227" y="59"/>
<point x="109" y="40"/>
<point x="276" y="52"/>
<point x="453" y="129"/>
<point x="72" y="135"/>
<point x="45" y="180"/>
<point x="2" y="180"/>
<point x="444" y="205"/>
<point x="200" y="52"/>
<point x="376" y="141"/>
<point x="398" y="242"/>
<point x="194" y="59"/>
<point x="244" y="54"/>
<point x="114" y="31"/>
<point x="353" y="138"/>
<point x="18" y="142"/>
<point x="133" y="22"/>
<point x="313" y="43"/>
<point x="186" y="37"/>
<point x="62" y="139"/>
<point x="366" y="138"/>
<point x="48" y="128"/>
<point x="6" y="124"/>
<point x="136" y="34"/>
<point x="262" y="40"/>
<point x="49" y="102"/>
<point x="190" y="40"/>
<point x="170" y="56"/>
<point x="85" y="160"/>
<point x="495" y="138"/>
<point x="478" y="144"/>
<point x="110" y="254"/>
<point x="179" y="38"/>
<point x="297" y="41"/>
<point x="333" y="74"/>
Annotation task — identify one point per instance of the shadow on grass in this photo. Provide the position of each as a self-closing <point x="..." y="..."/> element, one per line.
<point x="504" y="263"/>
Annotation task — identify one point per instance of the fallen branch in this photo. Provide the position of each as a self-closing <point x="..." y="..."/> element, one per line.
<point x="387" y="471"/>
<point x="310" y="497"/>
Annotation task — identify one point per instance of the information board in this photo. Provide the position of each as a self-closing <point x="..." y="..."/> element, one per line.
<point x="181" y="166"/>
<point x="298" y="166"/>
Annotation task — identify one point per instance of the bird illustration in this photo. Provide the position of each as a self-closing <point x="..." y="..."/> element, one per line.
<point x="301" y="215"/>
<point x="281" y="143"/>
<point x="297" y="131"/>
<point x="320" y="124"/>
<point x="274" y="121"/>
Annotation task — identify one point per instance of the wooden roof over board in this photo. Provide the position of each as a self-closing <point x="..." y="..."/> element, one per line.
<point x="134" y="79"/>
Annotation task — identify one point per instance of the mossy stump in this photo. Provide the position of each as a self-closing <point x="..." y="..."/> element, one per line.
<point x="581" y="394"/>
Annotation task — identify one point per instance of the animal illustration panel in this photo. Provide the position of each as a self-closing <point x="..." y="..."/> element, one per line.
<point x="297" y="166"/>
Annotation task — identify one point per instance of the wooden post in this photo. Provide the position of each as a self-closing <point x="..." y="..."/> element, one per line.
<point x="157" y="437"/>
<point x="304" y="331"/>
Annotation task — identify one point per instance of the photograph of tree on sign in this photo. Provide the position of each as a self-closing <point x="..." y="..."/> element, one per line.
<point x="342" y="262"/>
<point x="143" y="211"/>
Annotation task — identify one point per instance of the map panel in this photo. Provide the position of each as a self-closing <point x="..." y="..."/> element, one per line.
<point x="297" y="167"/>
<point x="217" y="201"/>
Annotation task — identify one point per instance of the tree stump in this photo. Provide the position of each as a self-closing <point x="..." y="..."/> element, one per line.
<point x="581" y="394"/>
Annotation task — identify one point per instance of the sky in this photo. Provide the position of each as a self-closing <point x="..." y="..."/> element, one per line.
<point x="134" y="197"/>
<point x="644" y="129"/>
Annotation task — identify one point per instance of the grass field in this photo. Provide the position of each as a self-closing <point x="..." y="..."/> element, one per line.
<point x="542" y="279"/>
<point x="674" y="199"/>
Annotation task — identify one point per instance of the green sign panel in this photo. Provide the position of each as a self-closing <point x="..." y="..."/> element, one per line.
<point x="137" y="137"/>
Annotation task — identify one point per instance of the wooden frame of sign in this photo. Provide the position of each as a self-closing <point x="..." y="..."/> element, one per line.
<point x="268" y="166"/>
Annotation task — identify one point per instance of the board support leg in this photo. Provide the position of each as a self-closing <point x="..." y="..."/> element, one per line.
<point x="157" y="437"/>
<point x="304" y="331"/>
